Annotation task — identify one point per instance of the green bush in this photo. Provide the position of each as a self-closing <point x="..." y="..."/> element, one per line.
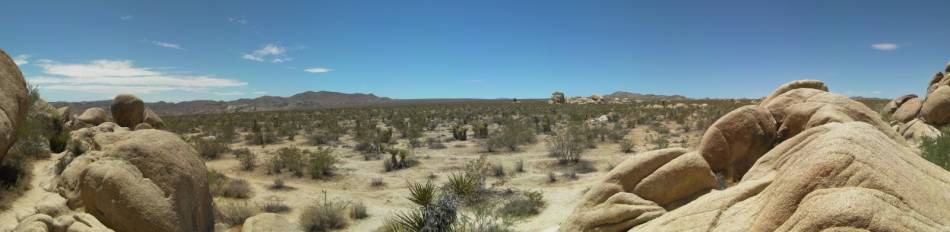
<point x="234" y="188"/>
<point x="290" y="159"/>
<point x="322" y="163"/>
<point x="937" y="150"/>
<point x="210" y="149"/>
<point x="523" y="205"/>
<point x="513" y="133"/>
<point x="247" y="158"/>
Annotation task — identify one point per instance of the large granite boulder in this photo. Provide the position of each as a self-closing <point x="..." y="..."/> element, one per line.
<point x="13" y="102"/>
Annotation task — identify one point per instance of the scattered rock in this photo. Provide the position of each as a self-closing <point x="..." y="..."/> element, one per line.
<point x="936" y="109"/>
<point x="907" y="111"/>
<point x="916" y="129"/>
<point x="153" y="119"/>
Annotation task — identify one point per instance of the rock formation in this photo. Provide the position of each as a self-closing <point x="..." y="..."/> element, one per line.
<point x="143" y="180"/>
<point x="269" y="222"/>
<point x="93" y="116"/>
<point x="13" y="102"/>
<point x="826" y="162"/>
<point x="917" y="118"/>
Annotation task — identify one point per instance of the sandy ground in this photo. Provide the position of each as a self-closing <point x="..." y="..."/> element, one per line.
<point x="352" y="183"/>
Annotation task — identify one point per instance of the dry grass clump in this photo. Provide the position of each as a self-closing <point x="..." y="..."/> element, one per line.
<point x="275" y="206"/>
<point x="324" y="216"/>
<point x="234" y="212"/>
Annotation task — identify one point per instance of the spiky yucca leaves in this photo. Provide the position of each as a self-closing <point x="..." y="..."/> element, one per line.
<point x="422" y="194"/>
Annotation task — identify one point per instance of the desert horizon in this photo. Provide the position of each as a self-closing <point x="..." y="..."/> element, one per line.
<point x="474" y="116"/>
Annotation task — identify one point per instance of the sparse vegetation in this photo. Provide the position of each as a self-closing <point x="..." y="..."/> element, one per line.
<point x="937" y="150"/>
<point x="324" y="216"/>
<point x="234" y="212"/>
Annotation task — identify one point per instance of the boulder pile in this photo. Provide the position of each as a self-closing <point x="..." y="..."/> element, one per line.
<point x="914" y="117"/>
<point x="804" y="159"/>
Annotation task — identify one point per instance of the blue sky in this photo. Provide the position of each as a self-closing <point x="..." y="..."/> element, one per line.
<point x="186" y="50"/>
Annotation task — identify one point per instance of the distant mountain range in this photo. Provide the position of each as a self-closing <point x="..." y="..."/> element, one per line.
<point x="306" y="100"/>
<point x="642" y="97"/>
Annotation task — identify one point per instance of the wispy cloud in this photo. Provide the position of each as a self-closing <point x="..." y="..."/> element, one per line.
<point x="167" y="45"/>
<point x="120" y="76"/>
<point x="318" y="70"/>
<point x="885" y="46"/>
<point x="238" y="20"/>
<point x="268" y="53"/>
<point x="127" y="17"/>
<point x="229" y="93"/>
<point x="21" y="59"/>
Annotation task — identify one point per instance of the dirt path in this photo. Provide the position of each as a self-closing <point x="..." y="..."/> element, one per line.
<point x="42" y="174"/>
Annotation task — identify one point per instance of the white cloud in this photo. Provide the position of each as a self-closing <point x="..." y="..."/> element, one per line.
<point x="127" y="17"/>
<point x="120" y="76"/>
<point x="269" y="52"/>
<point x="238" y="20"/>
<point x="167" y="45"/>
<point x="318" y="70"/>
<point x="229" y="93"/>
<point x="884" y="46"/>
<point x="21" y="59"/>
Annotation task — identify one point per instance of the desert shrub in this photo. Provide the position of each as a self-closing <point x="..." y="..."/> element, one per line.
<point x="210" y="149"/>
<point x="937" y="150"/>
<point x="483" y="219"/>
<point x="660" y="142"/>
<point x="377" y="182"/>
<point x="463" y="185"/>
<point x="567" y="146"/>
<point x="481" y="130"/>
<point x="259" y="135"/>
<point x="440" y="215"/>
<point x="524" y="204"/>
<point x="234" y="212"/>
<point x="421" y="194"/>
<point x="278" y="184"/>
<point x="498" y="170"/>
<point x="459" y="132"/>
<point x="275" y="206"/>
<point x="358" y="211"/>
<point x="519" y="166"/>
<point x="247" y="158"/>
<point x="324" y="216"/>
<point x="322" y="163"/>
<point x="513" y="133"/>
<point x="552" y="177"/>
<point x="233" y="188"/>
<point x="323" y="138"/>
<point x="626" y="146"/>
<point x="290" y="159"/>
<point x="215" y="180"/>
<point x="399" y="159"/>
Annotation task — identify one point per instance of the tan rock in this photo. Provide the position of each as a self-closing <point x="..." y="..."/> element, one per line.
<point x="128" y="110"/>
<point x="87" y="223"/>
<point x="935" y="82"/>
<point x="269" y="222"/>
<point x="35" y="223"/>
<point x="907" y="111"/>
<point x="611" y="205"/>
<point x="838" y="175"/>
<point x="13" y="102"/>
<point x="153" y="119"/>
<point x="146" y="180"/>
<point x="936" y="108"/>
<point x="892" y="105"/>
<point x="53" y="205"/>
<point x="678" y="180"/>
<point x="799" y="84"/>
<point x="736" y="140"/>
<point x="93" y="116"/>
<point x="825" y="107"/>
<point x="916" y="130"/>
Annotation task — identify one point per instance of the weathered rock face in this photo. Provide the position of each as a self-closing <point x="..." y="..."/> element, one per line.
<point x="93" y="116"/>
<point x="892" y="106"/>
<point x="799" y="84"/>
<point x="13" y="102"/>
<point x="128" y="110"/>
<point x="145" y="180"/>
<point x="916" y="130"/>
<point x="838" y="166"/>
<point x="153" y="119"/>
<point x="907" y="111"/>
<point x="936" y="109"/>
<point x="734" y="142"/>
<point x="269" y="222"/>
